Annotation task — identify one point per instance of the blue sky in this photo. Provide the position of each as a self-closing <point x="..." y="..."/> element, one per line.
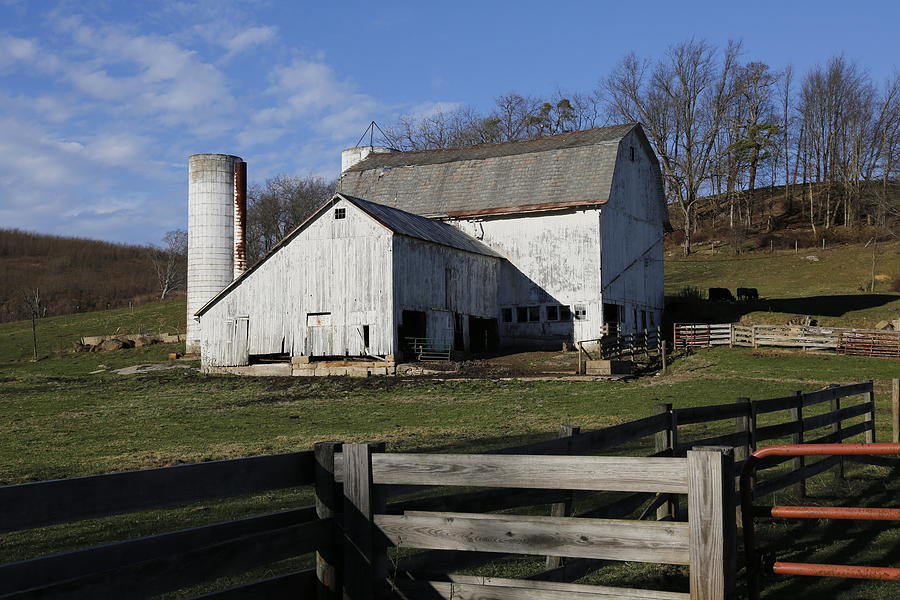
<point x="102" y="102"/>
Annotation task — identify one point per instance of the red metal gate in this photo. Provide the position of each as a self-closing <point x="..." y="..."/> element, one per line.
<point x="757" y="564"/>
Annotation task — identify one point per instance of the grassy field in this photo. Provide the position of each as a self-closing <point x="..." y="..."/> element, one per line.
<point x="829" y="289"/>
<point x="58" y="419"/>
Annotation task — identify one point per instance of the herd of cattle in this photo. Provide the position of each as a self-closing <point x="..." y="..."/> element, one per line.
<point x="724" y="294"/>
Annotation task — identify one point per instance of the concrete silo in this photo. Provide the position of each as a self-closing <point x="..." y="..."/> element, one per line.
<point x="217" y="200"/>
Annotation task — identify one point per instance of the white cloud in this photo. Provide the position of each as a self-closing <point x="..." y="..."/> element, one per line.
<point x="248" y="38"/>
<point x="150" y="75"/>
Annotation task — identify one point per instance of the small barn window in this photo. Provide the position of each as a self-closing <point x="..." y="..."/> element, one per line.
<point x="632" y="153"/>
<point x="553" y="313"/>
<point x="365" y="335"/>
<point x="534" y="313"/>
<point x="580" y="312"/>
<point x="565" y="313"/>
<point x="340" y="213"/>
<point x="522" y="314"/>
<point x="506" y="315"/>
<point x="318" y="319"/>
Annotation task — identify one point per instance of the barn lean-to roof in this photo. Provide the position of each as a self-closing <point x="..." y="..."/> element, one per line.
<point x="396" y="220"/>
<point x="547" y="173"/>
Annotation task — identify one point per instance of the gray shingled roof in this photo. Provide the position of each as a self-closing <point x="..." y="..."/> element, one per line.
<point x="422" y="228"/>
<point x="572" y="167"/>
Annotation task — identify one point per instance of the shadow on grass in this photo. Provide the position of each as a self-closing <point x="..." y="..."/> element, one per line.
<point x="699" y="311"/>
<point x="834" y="541"/>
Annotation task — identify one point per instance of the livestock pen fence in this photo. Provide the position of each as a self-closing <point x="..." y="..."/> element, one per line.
<point x="854" y="342"/>
<point x="368" y="500"/>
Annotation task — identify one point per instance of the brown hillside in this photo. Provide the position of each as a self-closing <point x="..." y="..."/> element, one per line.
<point x="779" y="220"/>
<point x="72" y="274"/>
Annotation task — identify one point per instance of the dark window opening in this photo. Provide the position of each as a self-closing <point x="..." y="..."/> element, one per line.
<point x="565" y="313"/>
<point x="340" y="213"/>
<point x="506" y="314"/>
<point x="553" y="313"/>
<point x="522" y="314"/>
<point x="634" y="317"/>
<point x="580" y="312"/>
<point x="459" y="340"/>
<point x="611" y="316"/>
<point x="632" y="153"/>
<point x="366" y="336"/>
<point x="534" y="313"/>
<point x="484" y="335"/>
<point x="643" y="319"/>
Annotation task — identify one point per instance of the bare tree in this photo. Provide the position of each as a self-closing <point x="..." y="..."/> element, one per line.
<point x="170" y="261"/>
<point x="279" y="205"/>
<point x="34" y="309"/>
<point x="682" y="101"/>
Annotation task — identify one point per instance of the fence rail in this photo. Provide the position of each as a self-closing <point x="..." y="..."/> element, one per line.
<point x="855" y="342"/>
<point x="652" y="486"/>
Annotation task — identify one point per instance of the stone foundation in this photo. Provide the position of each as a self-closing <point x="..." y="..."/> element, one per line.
<point x="302" y="366"/>
<point x="609" y="367"/>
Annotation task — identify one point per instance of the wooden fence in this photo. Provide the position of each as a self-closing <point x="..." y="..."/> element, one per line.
<point x="855" y="342"/>
<point x="339" y="528"/>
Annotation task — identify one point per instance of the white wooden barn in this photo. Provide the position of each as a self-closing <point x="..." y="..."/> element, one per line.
<point x="520" y="244"/>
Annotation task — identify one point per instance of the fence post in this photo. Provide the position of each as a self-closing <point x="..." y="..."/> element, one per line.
<point x="365" y="558"/>
<point x="870" y="416"/>
<point x="579" y="349"/>
<point x="564" y="508"/>
<point x="329" y="498"/>
<point x="837" y="438"/>
<point x="797" y="438"/>
<point x="662" y="347"/>
<point x="665" y="440"/>
<point x="895" y="410"/>
<point x="711" y="519"/>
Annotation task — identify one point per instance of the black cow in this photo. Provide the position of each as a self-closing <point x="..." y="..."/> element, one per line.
<point x="720" y="295"/>
<point x="747" y="294"/>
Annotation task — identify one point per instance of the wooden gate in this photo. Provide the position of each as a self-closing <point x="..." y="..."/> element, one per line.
<point x="705" y="543"/>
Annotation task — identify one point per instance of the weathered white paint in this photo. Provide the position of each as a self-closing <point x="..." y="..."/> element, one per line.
<point x="210" y="233"/>
<point x="442" y="281"/>
<point x="358" y="273"/>
<point x="554" y="259"/>
<point x="632" y="227"/>
<point x="583" y="258"/>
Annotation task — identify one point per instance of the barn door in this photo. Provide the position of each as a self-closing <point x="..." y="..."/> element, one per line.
<point x="240" y="342"/>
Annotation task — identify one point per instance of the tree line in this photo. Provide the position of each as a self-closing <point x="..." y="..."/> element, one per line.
<point x="721" y="126"/>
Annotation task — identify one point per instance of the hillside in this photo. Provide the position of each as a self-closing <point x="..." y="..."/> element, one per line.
<point x="73" y="275"/>
<point x="831" y="285"/>
<point x="55" y="335"/>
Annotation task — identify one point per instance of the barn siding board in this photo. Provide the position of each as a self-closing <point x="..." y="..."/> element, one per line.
<point x="554" y="258"/>
<point x="338" y="266"/>
<point x="421" y="279"/>
<point x="632" y="224"/>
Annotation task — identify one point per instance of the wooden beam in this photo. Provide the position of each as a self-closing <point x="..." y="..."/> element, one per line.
<point x="42" y="503"/>
<point x="467" y="587"/>
<point x="364" y="558"/>
<point x="711" y="518"/>
<point x="664" y="444"/>
<point x="329" y="504"/>
<point x="895" y="411"/>
<point x="640" y="541"/>
<point x="111" y="558"/>
<point x="564" y="508"/>
<point x="596" y="473"/>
